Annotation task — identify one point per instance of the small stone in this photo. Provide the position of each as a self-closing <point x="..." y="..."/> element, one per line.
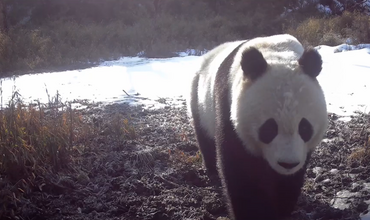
<point x="357" y="170"/>
<point x="343" y="199"/>
<point x="317" y="170"/>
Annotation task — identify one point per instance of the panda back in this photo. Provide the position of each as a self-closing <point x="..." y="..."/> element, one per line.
<point x="207" y="74"/>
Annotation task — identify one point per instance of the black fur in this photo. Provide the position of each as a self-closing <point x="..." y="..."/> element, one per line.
<point x="206" y="145"/>
<point x="305" y="130"/>
<point x="253" y="63"/>
<point x="311" y="62"/>
<point x="252" y="189"/>
<point x="268" y="131"/>
<point x="288" y="165"/>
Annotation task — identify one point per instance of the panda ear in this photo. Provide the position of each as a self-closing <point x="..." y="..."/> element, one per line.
<point x="311" y="62"/>
<point x="253" y="63"/>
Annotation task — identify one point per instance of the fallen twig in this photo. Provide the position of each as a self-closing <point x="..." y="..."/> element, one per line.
<point x="126" y="92"/>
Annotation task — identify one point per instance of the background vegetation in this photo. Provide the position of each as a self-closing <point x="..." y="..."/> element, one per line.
<point x="39" y="35"/>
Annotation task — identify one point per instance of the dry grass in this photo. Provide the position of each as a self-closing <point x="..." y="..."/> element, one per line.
<point x="361" y="135"/>
<point x="335" y="30"/>
<point x="70" y="34"/>
<point x="121" y="127"/>
<point x="67" y="34"/>
<point x="362" y="154"/>
<point x="31" y="136"/>
<point x="180" y="157"/>
<point x="37" y="140"/>
<point x="64" y="45"/>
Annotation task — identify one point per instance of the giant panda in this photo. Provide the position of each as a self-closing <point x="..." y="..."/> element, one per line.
<point x="258" y="113"/>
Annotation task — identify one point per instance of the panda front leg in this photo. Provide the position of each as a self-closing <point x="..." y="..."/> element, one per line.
<point x="289" y="189"/>
<point x="208" y="150"/>
<point x="247" y="197"/>
<point x="248" y="184"/>
<point x="206" y="145"/>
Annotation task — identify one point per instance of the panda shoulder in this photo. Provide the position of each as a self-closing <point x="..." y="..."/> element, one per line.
<point x="278" y="43"/>
<point x="213" y="58"/>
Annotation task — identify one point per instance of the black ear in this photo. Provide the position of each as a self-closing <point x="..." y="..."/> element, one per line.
<point x="253" y="63"/>
<point x="311" y="62"/>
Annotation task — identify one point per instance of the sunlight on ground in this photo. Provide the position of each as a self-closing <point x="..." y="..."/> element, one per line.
<point x="151" y="78"/>
<point x="345" y="80"/>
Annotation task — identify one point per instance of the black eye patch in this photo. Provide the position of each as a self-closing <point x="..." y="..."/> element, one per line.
<point x="305" y="130"/>
<point x="268" y="131"/>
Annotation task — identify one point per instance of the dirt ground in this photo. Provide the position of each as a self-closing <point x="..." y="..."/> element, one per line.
<point x="156" y="173"/>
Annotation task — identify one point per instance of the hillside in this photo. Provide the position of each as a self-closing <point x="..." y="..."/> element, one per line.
<point x="39" y="35"/>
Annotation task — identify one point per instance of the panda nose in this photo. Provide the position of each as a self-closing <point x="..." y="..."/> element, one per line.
<point x="288" y="165"/>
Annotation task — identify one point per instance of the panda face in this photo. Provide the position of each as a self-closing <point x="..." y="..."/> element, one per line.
<point x="281" y="117"/>
<point x="287" y="155"/>
<point x="269" y="130"/>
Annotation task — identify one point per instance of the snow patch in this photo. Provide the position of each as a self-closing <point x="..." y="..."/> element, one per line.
<point x="345" y="80"/>
<point x="343" y="199"/>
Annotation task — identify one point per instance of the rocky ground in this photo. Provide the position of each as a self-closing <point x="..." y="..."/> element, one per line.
<point x="152" y="171"/>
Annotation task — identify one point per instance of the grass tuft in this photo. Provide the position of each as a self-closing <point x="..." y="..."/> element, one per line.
<point x="180" y="157"/>
<point x="351" y="27"/>
<point x="362" y="154"/>
<point x="33" y="135"/>
<point x="38" y="140"/>
<point x="120" y="127"/>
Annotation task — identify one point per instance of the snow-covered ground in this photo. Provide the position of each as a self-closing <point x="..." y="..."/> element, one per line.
<point x="345" y="80"/>
<point x="107" y="83"/>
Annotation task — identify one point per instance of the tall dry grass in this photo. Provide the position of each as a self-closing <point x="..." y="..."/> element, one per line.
<point x="36" y="135"/>
<point x="38" y="141"/>
<point x="351" y="28"/>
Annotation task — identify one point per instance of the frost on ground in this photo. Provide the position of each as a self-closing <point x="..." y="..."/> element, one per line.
<point x="157" y="173"/>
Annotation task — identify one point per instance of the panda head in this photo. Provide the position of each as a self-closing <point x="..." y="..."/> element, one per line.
<point x="279" y="109"/>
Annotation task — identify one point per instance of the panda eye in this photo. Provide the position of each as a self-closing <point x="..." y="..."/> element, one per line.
<point x="305" y="130"/>
<point x="268" y="131"/>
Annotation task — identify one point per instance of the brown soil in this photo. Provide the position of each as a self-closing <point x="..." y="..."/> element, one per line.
<point x="156" y="174"/>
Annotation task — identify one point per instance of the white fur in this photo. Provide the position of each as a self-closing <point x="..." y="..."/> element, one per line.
<point x="283" y="93"/>
<point x="212" y="61"/>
